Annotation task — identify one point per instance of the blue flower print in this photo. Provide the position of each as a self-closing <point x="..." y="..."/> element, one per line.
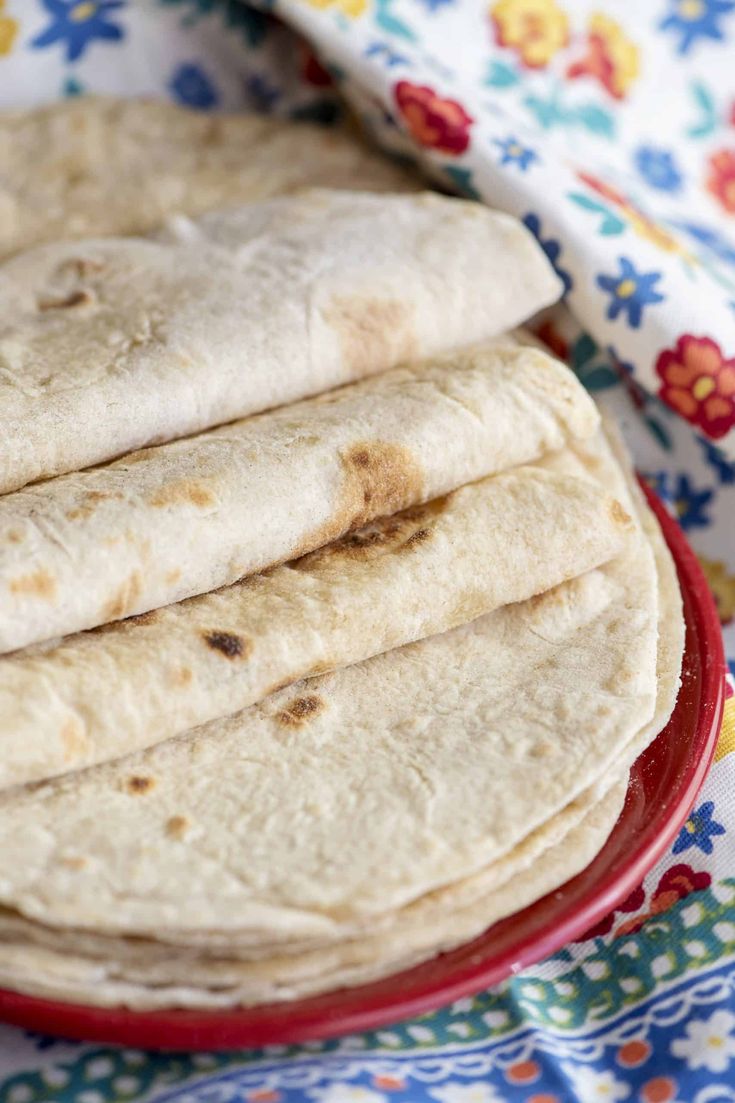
<point x="718" y="462"/>
<point x="551" y="247"/>
<point x="192" y="87"/>
<point x="691" y="504"/>
<point x="513" y="153"/>
<point x="658" y="168"/>
<point x="699" y="830"/>
<point x="76" y="23"/>
<point x="630" y="292"/>
<point x="696" y="19"/>
<point x="713" y="241"/>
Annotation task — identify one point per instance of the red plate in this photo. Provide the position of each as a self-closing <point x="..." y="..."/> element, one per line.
<point x="664" y="784"/>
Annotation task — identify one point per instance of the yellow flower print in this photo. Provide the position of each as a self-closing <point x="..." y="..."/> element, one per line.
<point x="722" y="585"/>
<point x="535" y="29"/>
<point x="726" y="742"/>
<point x="8" y="31"/>
<point x="351" y="8"/>
<point x="612" y="58"/>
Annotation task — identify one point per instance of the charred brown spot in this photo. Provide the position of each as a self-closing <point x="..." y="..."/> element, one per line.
<point x="143" y="618"/>
<point x="38" y="584"/>
<point x="125" y="598"/>
<point x="171" y="577"/>
<point x="15" y="536"/>
<point x="373" y="334"/>
<point x="81" y="297"/>
<point x="139" y="784"/>
<point x="417" y="537"/>
<point x="618" y="514"/>
<point x="177" y="826"/>
<point x="228" y="644"/>
<point x="300" y="710"/>
<point x="185" y="492"/>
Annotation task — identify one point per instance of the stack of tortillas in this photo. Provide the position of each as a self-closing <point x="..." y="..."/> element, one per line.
<point x="331" y="618"/>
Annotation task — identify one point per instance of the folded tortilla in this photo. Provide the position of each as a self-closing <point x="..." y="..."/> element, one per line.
<point x="100" y="695"/>
<point x="274" y="820"/>
<point x="110" y="345"/>
<point x="96" y="165"/>
<point x="167" y="523"/>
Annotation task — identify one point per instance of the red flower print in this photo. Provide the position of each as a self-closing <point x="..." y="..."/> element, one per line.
<point x="435" y="122"/>
<point x="676" y="883"/>
<point x="611" y="57"/>
<point x="632" y="903"/>
<point x="721" y="179"/>
<point x="699" y="383"/>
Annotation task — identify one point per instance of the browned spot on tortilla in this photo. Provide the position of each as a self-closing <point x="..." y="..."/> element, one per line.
<point x="618" y="514"/>
<point x="38" y="584"/>
<point x="373" y="334"/>
<point x="140" y="784"/>
<point x="73" y="861"/>
<point x="82" y="266"/>
<point x="76" y="298"/>
<point x="378" y="479"/>
<point x="228" y="644"/>
<point x="143" y="618"/>
<point x="300" y="710"/>
<point x="182" y="676"/>
<point x="177" y="826"/>
<point x="185" y="492"/>
<point x="125" y="598"/>
<point x="91" y="500"/>
<point x="470" y="605"/>
<point x="172" y="576"/>
<point x="15" y="536"/>
<point x="72" y="738"/>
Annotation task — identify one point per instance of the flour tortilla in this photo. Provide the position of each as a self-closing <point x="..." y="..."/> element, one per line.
<point x="93" y="166"/>
<point x="273" y="821"/>
<point x="182" y="981"/>
<point x="98" y="696"/>
<point x="110" y="345"/>
<point x="170" y="522"/>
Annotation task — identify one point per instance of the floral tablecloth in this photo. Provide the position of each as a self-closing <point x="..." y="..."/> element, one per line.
<point x="610" y="129"/>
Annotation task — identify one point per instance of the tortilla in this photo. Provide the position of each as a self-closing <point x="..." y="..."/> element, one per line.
<point x="273" y="820"/>
<point x="171" y="522"/>
<point x="101" y="695"/>
<point x="114" y="344"/>
<point x="92" y="166"/>
<point x="179" y="980"/>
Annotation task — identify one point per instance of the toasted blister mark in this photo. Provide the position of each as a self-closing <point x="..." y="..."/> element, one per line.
<point x="81" y="297"/>
<point x="40" y="584"/>
<point x="81" y="266"/>
<point x="177" y="826"/>
<point x="125" y="598"/>
<point x="151" y="617"/>
<point x="73" y="861"/>
<point x="301" y="710"/>
<point x="14" y="536"/>
<point x="182" y="677"/>
<point x="172" y="577"/>
<point x="73" y="738"/>
<point x="228" y="644"/>
<point x="140" y="784"/>
<point x="619" y="515"/>
<point x="184" y="492"/>
<point x="372" y="333"/>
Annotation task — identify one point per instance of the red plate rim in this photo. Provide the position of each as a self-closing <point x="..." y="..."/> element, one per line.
<point x="644" y="830"/>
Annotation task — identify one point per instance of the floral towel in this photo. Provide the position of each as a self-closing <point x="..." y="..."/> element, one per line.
<point x="610" y="129"/>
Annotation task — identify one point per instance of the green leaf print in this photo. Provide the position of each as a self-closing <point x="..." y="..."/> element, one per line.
<point x="610" y="224"/>
<point x="705" y="105"/>
<point x="500" y="75"/>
